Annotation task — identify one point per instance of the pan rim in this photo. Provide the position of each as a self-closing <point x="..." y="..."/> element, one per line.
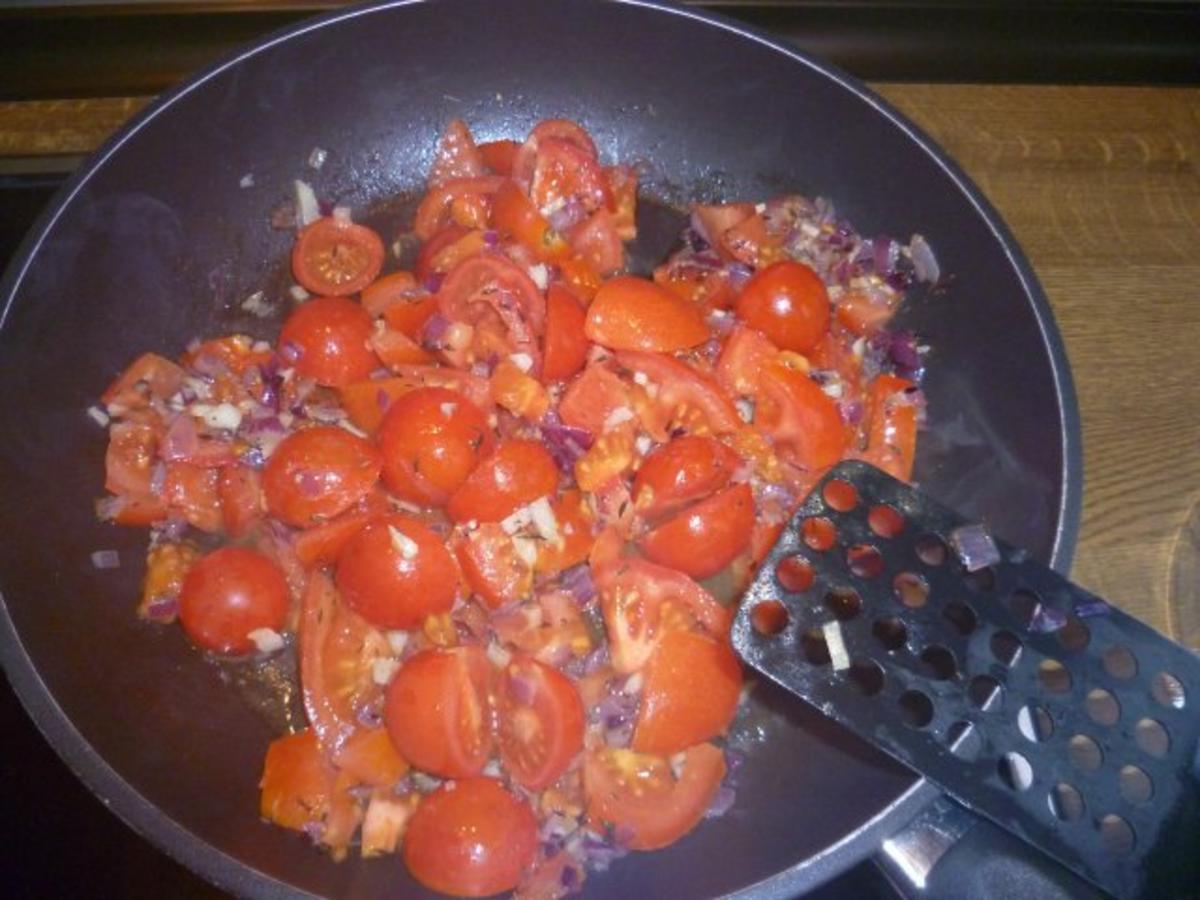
<point x="236" y="876"/>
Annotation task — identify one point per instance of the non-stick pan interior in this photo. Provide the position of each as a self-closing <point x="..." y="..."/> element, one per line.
<point x="159" y="240"/>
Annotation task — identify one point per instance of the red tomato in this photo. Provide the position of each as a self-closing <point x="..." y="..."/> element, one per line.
<point x="515" y="216"/>
<point x="435" y="250"/>
<point x="575" y="538"/>
<point x="437" y="711"/>
<point x="684" y="398"/>
<point x="564" y="174"/>
<point x="369" y="757"/>
<point x="410" y="312"/>
<point x="431" y="439"/>
<point x="622" y="185"/>
<point x="297" y="782"/>
<point x="687" y="469"/>
<point x="802" y="418"/>
<point x="368" y="400"/>
<point x="317" y="473"/>
<point x="492" y="567"/>
<point x="228" y="594"/>
<point x="555" y="129"/>
<point x="581" y="276"/>
<point x="891" y="426"/>
<point x="639" y="794"/>
<point x="712" y="221"/>
<point x="471" y="839"/>
<point x="328" y="338"/>
<point x="192" y="492"/>
<point x="396" y="572"/>
<point x="865" y="314"/>
<point x="498" y="155"/>
<point x="395" y="348"/>
<point x="130" y="458"/>
<point x="596" y="240"/>
<point x="691" y="687"/>
<point x="706" y="537"/>
<point x="749" y="242"/>
<point x="631" y="313"/>
<point x="333" y="258"/>
<point x="240" y="491"/>
<point x="739" y="367"/>
<point x="514" y="475"/>
<point x="701" y="286"/>
<point x="322" y="544"/>
<point x="519" y="393"/>
<point x="592" y="398"/>
<point x="640" y="600"/>
<point x="395" y="289"/>
<point x="456" y="155"/>
<point x="491" y="290"/>
<point x="539" y="722"/>
<point x="474" y="387"/>
<point x="436" y="210"/>
<point x="566" y="345"/>
<point x="788" y="303"/>
<point x="150" y="375"/>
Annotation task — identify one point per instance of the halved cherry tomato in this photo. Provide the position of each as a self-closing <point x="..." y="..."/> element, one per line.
<point x="228" y="594"/>
<point x="684" y="397"/>
<point x="802" y="418"/>
<point x="891" y="426"/>
<point x="690" y="691"/>
<point x="327" y="338"/>
<point x="639" y="795"/>
<point x="456" y="155"/>
<point x="556" y="129"/>
<point x="437" y="712"/>
<point x="539" y="722"/>
<point x="703" y="539"/>
<point x="563" y="174"/>
<point x="566" y="345"/>
<point x="369" y="757"/>
<point x="489" y="289"/>
<point x="515" y="474"/>
<point x="150" y="375"/>
<point x="431" y="439"/>
<point x="495" y="572"/>
<point x="640" y="600"/>
<point x="333" y="258"/>
<point x="396" y="572"/>
<point x="297" y="782"/>
<point x="322" y="544"/>
<point x="739" y="367"/>
<point x="432" y="251"/>
<point x="317" y="473"/>
<point x="191" y="491"/>
<point x="498" y="155"/>
<point x="367" y="401"/>
<point x="575" y="538"/>
<point x="687" y="469"/>
<point x="630" y="313"/>
<point x="515" y="216"/>
<point x="472" y="196"/>
<point x="130" y="457"/>
<point x="242" y="504"/>
<point x="597" y="240"/>
<point x="592" y="399"/>
<point x="788" y="303"/>
<point x="471" y="839"/>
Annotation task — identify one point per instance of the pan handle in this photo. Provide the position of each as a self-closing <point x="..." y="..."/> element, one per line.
<point x="948" y="853"/>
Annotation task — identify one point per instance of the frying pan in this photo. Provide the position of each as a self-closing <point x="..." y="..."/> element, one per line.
<point x="157" y="240"/>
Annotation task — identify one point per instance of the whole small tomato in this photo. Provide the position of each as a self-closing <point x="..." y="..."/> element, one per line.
<point x="787" y="302"/>
<point x="228" y="594"/>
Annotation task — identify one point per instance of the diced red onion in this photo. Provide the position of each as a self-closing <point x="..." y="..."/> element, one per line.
<point x="1047" y="620"/>
<point x="739" y="274"/>
<point x="208" y="365"/>
<point x="158" y="477"/>
<point x="578" y="581"/>
<point x="925" y="265"/>
<point x="885" y="253"/>
<point x="567" y="216"/>
<point x="722" y="802"/>
<point x="290" y="352"/>
<point x="253" y="458"/>
<point x="163" y="609"/>
<point x="522" y="688"/>
<point x="600" y="853"/>
<point x="852" y="412"/>
<point x="432" y="282"/>
<point x="566" y="444"/>
<point x="491" y="238"/>
<point x="181" y="441"/>
<point x="975" y="547"/>
<point x="434" y="330"/>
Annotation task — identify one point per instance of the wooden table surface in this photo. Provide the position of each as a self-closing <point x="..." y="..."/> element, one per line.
<point x="1101" y="186"/>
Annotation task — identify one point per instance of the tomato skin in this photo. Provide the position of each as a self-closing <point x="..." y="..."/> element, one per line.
<point x="431" y="439"/>
<point x="564" y="173"/>
<point x="432" y="250"/>
<point x="471" y="839"/>
<point x="630" y="313"/>
<point x="689" y="468"/>
<point x="240" y="491"/>
<point x="802" y="418"/>
<point x="493" y="569"/>
<point x="395" y="586"/>
<point x="566" y="345"/>
<point x="515" y="474"/>
<point x="332" y="258"/>
<point x="456" y="155"/>
<point x="317" y="473"/>
<point x="229" y="593"/>
<point x="891" y="426"/>
<point x="705" y="538"/>
<point x="638" y="794"/>
<point x="328" y="338"/>
<point x="498" y="155"/>
<point x="515" y="216"/>
<point x="691" y="687"/>
<point x="787" y="302"/>
<point x="548" y="129"/>
<point x="436" y="711"/>
<point x="540" y="722"/>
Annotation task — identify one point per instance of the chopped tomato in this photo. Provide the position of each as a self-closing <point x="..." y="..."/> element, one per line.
<point x="687" y="469"/>
<point x="515" y="216"/>
<point x="167" y="564"/>
<point x="520" y="394"/>
<point x="515" y="474"/>
<point x="613" y="454"/>
<point x="581" y="275"/>
<point x="327" y="340"/>
<point x="865" y="314"/>
<point x="539" y="722"/>
<point x="241" y="495"/>
<point x="191" y="491"/>
<point x="639" y="795"/>
<point x="462" y="201"/>
<point x="490" y="292"/>
<point x="228" y="594"/>
<point x="317" y="473"/>
<point x="622" y="186"/>
<point x="683" y="397"/>
<point x="630" y="313"/>
<point x="472" y="838"/>
<point x="739" y="367"/>
<point x="891" y="426"/>
<point x="395" y="348"/>
<point x="596" y="401"/>
<point x="498" y="155"/>
<point x="474" y="387"/>
<point x="788" y="303"/>
<point x="297" y="782"/>
<point x="130" y="458"/>
<point x="437" y="711"/>
<point x="234" y="355"/>
<point x="436" y="251"/>
<point x="597" y="240"/>
<point x="574" y="542"/>
<point x="690" y="691"/>
<point x="493" y="568"/>
<point x="802" y="418"/>
<point x="148" y="376"/>
<point x="749" y="242"/>
<point x="409" y="314"/>
<point x="369" y="757"/>
<point x="703" y="539"/>
<point x="566" y="345"/>
<point x="456" y="155"/>
<point x="701" y="286"/>
<point x="712" y="221"/>
<point x="321" y="545"/>
<point x="333" y="258"/>
<point x="368" y="400"/>
<point x="548" y="129"/>
<point x="396" y="289"/>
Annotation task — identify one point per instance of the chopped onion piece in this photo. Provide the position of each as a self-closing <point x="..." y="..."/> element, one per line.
<point x="316" y="159"/>
<point x="540" y="276"/>
<point x="383" y="669"/>
<point x="522" y="361"/>
<point x="517" y="520"/>
<point x="837" y="646"/>
<point x="342" y="214"/>
<point x="397" y="640"/>
<point x="925" y="265"/>
<point x="308" y="210"/>
<point x="498" y="655"/>
<point x="745" y="409"/>
<point x="526" y="549"/>
<point x="99" y="416"/>
<point x="257" y="305"/>
<point x="543" y="519"/>
<point x="633" y="683"/>
<point x="975" y="547"/>
<point x="222" y="415"/>
<point x="617" y="417"/>
<point x="298" y="293"/>
<point x="643" y="444"/>
<point x="106" y="559"/>
<point x="267" y="640"/>
<point x="247" y="181"/>
<point x="404" y="545"/>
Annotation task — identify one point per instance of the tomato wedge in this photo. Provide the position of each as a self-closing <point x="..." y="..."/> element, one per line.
<point x="472" y="196"/>
<point x="515" y="216"/>
<point x="891" y="426"/>
<point x="297" y="782"/>
<point x="317" y="473"/>
<point x="327" y="338"/>
<point x="539" y="722"/>
<point x="494" y="570"/>
<point x="687" y="469"/>
<point x="456" y="155"/>
<point x="630" y="313"/>
<point x="525" y="157"/>
<point x="802" y="418"/>
<point x="517" y="473"/>
<point x="566" y="345"/>
<point x="703" y="539"/>
<point x="333" y="257"/>
<point x="740" y="365"/>
<point x="684" y="398"/>
<point x="498" y="155"/>
<point x="490" y="290"/>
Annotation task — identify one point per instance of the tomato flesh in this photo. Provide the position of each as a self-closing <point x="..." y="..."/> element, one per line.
<point x="517" y="473"/>
<point x="333" y="258"/>
<point x="540" y="722"/>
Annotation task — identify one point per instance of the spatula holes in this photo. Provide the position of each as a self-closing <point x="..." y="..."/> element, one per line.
<point x="769" y="618"/>
<point x="885" y="521"/>
<point x="1084" y="753"/>
<point x="931" y="550"/>
<point x="1065" y="802"/>
<point x="1074" y="635"/>
<point x="961" y="616"/>
<point x="818" y="533"/>
<point x="1053" y="677"/>
<point x="840" y="495"/>
<point x="911" y="589"/>
<point x="939" y="663"/>
<point x="1034" y="723"/>
<point x="982" y="581"/>
<point x="864" y="561"/>
<point x="985" y="692"/>
<point x="891" y="633"/>
<point x="1135" y="785"/>
<point x="1006" y="648"/>
<point x="1152" y="738"/>
<point x="1116" y="835"/>
<point x="964" y="740"/>
<point x="916" y="709"/>
<point x="1102" y="707"/>
<point x="795" y="574"/>
<point x="814" y="648"/>
<point x="1015" y="771"/>
<point x="1168" y="691"/>
<point x="1119" y="662"/>
<point x="844" y="603"/>
<point x="867" y="676"/>
<point x="1024" y="606"/>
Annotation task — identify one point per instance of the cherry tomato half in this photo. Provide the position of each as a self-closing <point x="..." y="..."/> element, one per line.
<point x="702" y="540"/>
<point x="630" y="313"/>
<point x="228" y="594"/>
<point x="333" y="258"/>
<point x="514" y="475"/>
<point x="328" y="340"/>
<point x="539" y="722"/>
<point x="803" y="420"/>
<point x="566" y="344"/>
<point x="317" y="473"/>
<point x="687" y="469"/>
<point x="787" y="302"/>
<point x="493" y="569"/>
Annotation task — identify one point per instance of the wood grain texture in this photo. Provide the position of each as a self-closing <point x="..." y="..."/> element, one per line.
<point x="1101" y="186"/>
